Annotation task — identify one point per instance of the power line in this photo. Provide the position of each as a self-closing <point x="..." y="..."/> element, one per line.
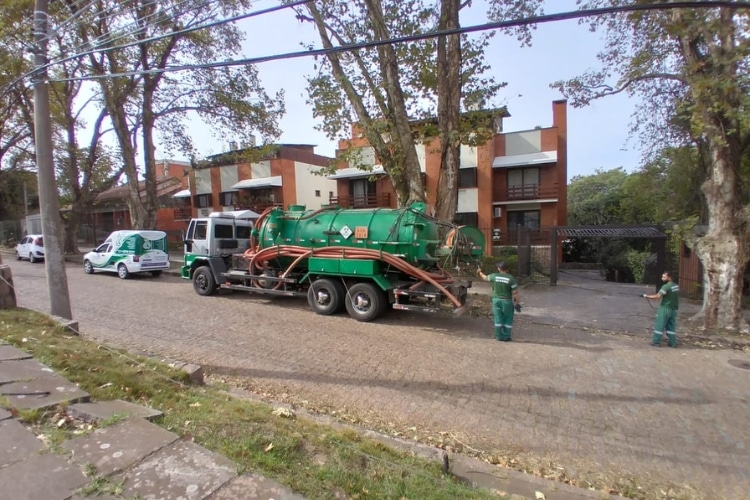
<point x="564" y="16"/>
<point x="148" y="40"/>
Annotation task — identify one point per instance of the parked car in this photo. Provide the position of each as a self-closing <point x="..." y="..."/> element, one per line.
<point x="31" y="247"/>
<point x="128" y="252"/>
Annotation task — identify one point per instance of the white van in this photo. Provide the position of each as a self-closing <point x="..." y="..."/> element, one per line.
<point x="127" y="252"/>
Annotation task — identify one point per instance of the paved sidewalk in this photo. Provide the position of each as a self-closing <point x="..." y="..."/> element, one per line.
<point x="149" y="461"/>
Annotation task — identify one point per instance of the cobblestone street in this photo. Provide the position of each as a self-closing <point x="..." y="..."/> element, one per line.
<point x="590" y="401"/>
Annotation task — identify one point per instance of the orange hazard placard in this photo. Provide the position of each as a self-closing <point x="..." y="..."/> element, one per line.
<point x="360" y="232"/>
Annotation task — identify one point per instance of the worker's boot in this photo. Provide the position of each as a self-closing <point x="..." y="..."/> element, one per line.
<point x="656" y="339"/>
<point x="672" y="340"/>
<point x="499" y="332"/>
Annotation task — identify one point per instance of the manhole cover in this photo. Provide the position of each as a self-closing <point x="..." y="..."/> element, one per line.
<point x="745" y="365"/>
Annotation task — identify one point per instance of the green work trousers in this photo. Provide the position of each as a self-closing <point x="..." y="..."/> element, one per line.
<point x="503" y="311"/>
<point x="666" y="322"/>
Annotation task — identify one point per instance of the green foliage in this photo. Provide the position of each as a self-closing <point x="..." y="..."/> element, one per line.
<point x="637" y="264"/>
<point x="596" y="199"/>
<point x="613" y="258"/>
<point x="509" y="255"/>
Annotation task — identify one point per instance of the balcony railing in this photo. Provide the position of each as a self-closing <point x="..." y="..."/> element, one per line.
<point x="366" y="201"/>
<point x="258" y="207"/>
<point x="527" y="192"/>
<point x="183" y="213"/>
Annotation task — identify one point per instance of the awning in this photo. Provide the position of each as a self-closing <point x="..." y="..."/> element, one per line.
<point x="525" y="160"/>
<point x="259" y="183"/>
<point x="185" y="193"/>
<point x="354" y="172"/>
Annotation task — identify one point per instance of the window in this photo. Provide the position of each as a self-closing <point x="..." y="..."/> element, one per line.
<point x="466" y="219"/>
<point x="228" y="198"/>
<point x="360" y="191"/>
<point x="523" y="183"/>
<point x="528" y="219"/>
<point x="203" y="201"/>
<point x="201" y="230"/>
<point x="467" y="178"/>
<point x="223" y="231"/>
<point x="317" y="193"/>
<point x="243" y="232"/>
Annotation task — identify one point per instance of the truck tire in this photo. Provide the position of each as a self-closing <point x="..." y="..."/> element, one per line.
<point x="365" y="302"/>
<point x="122" y="272"/>
<point x="204" y="282"/>
<point x="326" y="296"/>
<point x="88" y="268"/>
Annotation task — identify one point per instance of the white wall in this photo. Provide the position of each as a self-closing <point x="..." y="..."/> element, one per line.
<point x="521" y="143"/>
<point x="467" y="200"/>
<point x="261" y="169"/>
<point x="203" y="181"/>
<point x="229" y="177"/>
<point x="307" y="183"/>
<point x="468" y="156"/>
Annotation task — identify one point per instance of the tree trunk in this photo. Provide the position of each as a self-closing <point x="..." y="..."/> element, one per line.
<point x="723" y="251"/>
<point x="70" y="226"/>
<point x="449" y="111"/>
<point x="149" y="152"/>
<point x="412" y="175"/>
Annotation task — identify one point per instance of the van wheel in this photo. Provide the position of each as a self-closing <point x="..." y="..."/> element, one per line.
<point x="88" y="268"/>
<point x="325" y="296"/>
<point x="155" y="274"/>
<point x="122" y="271"/>
<point x="32" y="259"/>
<point x="203" y="281"/>
<point x="365" y="302"/>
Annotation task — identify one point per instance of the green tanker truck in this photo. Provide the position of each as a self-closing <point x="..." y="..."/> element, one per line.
<point x="361" y="260"/>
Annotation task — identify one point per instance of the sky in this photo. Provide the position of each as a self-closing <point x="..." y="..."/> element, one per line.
<point x="598" y="136"/>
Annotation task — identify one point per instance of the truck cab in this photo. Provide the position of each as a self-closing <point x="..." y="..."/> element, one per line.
<point x="212" y="240"/>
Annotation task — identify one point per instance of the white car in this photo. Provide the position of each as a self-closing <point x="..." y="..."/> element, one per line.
<point x="31" y="247"/>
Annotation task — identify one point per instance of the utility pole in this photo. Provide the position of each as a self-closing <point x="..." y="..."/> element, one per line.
<point x="57" y="281"/>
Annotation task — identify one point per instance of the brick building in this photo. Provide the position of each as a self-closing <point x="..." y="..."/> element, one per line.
<point x="110" y="211"/>
<point x="284" y="177"/>
<point x="515" y="180"/>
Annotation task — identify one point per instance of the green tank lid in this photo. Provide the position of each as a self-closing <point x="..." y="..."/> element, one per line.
<point x="296" y="208"/>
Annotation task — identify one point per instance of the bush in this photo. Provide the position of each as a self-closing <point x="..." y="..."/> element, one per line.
<point x="489" y="264"/>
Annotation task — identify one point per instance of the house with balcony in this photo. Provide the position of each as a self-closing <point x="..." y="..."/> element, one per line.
<point x="285" y="174"/>
<point x="110" y="211"/>
<point x="516" y="180"/>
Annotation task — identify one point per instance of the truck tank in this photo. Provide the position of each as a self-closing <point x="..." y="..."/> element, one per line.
<point x="408" y="233"/>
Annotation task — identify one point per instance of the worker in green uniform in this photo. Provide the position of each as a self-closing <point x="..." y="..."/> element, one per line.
<point x="505" y="300"/>
<point x="666" y="316"/>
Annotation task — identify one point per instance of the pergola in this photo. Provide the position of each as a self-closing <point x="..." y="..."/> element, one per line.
<point x="654" y="233"/>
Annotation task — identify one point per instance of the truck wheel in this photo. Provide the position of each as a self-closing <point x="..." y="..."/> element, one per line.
<point x="88" y="268"/>
<point x="122" y="271"/>
<point x="325" y="296"/>
<point x="203" y="281"/>
<point x="365" y="302"/>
